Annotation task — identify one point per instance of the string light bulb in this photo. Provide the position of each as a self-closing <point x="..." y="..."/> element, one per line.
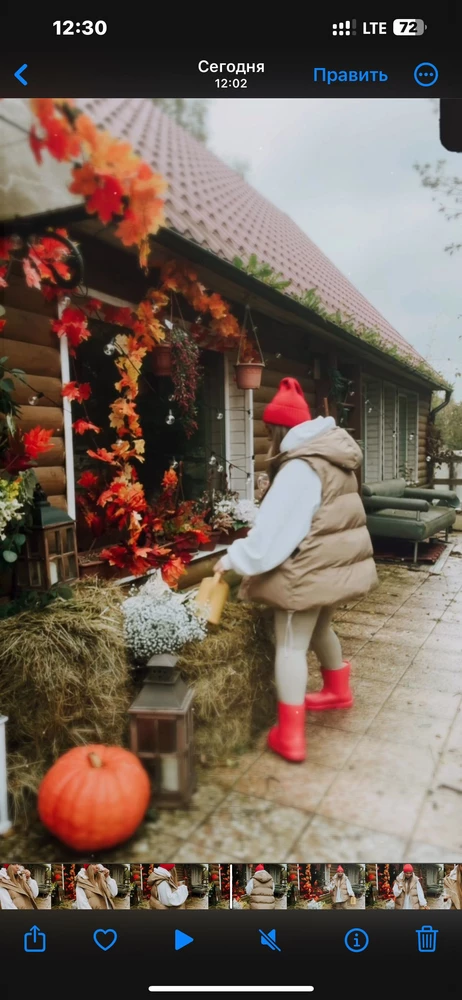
<point x="219" y="416"/>
<point x="171" y="398"/>
<point x="110" y="348"/>
<point x="170" y="419"/>
<point x="220" y="468"/>
<point x="278" y="356"/>
<point x="213" y="459"/>
<point x="248" y="477"/>
<point x="369" y="409"/>
<point x="174" y="464"/>
<point x="32" y="400"/>
<point x="411" y="437"/>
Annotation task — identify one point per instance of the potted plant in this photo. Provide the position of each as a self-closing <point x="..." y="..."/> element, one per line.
<point x="233" y="517"/>
<point x="178" y="358"/>
<point x="158" y="621"/>
<point x="250" y="364"/>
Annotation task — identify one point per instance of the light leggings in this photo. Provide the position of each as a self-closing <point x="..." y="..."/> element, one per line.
<point x="296" y="633"/>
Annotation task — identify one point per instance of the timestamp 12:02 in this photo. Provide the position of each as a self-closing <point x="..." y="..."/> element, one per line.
<point x="235" y="84"/>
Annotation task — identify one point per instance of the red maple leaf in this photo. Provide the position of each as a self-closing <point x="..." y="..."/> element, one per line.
<point x="87" y="480"/>
<point x="103" y="455"/>
<point x="82" y="426"/>
<point x="173" y="571"/>
<point x="76" y="391"/>
<point x="37" y="441"/>
<point x="106" y="200"/>
<point x="3" y="270"/>
<point x="36" y="144"/>
<point x="2" y="324"/>
<point x="31" y="274"/>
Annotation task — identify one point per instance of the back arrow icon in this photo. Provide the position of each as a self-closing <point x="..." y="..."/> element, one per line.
<point x="18" y="74"/>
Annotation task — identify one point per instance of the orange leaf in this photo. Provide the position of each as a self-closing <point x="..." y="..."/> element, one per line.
<point x="106" y="200"/>
<point x="88" y="480"/>
<point x="85" y="180"/>
<point x="74" y="391"/>
<point x="103" y="455"/>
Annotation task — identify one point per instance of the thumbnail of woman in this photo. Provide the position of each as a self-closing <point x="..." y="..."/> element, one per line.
<point x="166" y="891"/>
<point x="94" y="888"/>
<point x="260" y="890"/>
<point x="18" y="890"/>
<point x="453" y="888"/>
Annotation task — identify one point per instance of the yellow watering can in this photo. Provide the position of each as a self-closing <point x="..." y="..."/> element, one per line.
<point x="211" y="598"/>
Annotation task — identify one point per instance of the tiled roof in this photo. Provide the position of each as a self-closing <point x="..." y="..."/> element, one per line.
<point x="211" y="205"/>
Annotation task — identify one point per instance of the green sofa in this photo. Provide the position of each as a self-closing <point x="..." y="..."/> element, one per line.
<point x="395" y="510"/>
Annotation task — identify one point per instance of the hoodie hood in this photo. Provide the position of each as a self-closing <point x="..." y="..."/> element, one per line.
<point x="322" y="437"/>
<point x="263" y="877"/>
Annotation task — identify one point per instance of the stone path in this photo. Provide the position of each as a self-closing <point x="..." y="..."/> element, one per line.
<point x="383" y="780"/>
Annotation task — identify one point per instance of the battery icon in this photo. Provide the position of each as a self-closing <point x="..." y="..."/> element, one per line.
<point x="408" y="28"/>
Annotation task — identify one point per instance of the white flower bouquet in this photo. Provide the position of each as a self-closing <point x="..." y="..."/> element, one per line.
<point x="11" y="504"/>
<point x="158" y="621"/>
<point x="314" y="905"/>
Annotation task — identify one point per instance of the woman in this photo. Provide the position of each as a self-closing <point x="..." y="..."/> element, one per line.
<point x="341" y="892"/>
<point x="94" y="888"/>
<point x="260" y="890"/>
<point x="453" y="888"/>
<point x="165" y="890"/>
<point x="18" y="890"/>
<point x="308" y="552"/>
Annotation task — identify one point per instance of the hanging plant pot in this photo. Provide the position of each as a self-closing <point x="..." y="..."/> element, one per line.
<point x="248" y="376"/>
<point x="162" y="360"/>
<point x="212" y="542"/>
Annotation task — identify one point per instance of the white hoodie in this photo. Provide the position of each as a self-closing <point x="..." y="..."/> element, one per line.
<point x="168" y="896"/>
<point x="287" y="510"/>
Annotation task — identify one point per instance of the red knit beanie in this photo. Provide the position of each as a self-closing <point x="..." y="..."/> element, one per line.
<point x="289" y="406"/>
<point x="340" y="869"/>
<point x="408" y="868"/>
<point x="259" y="868"/>
<point x="167" y="867"/>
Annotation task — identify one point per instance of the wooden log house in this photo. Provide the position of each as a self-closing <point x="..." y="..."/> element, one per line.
<point x="212" y="216"/>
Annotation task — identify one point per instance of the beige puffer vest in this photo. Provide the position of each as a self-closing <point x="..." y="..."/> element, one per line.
<point x="334" y="563"/>
<point x="344" y="894"/>
<point x="400" y="900"/>
<point x="262" y="894"/>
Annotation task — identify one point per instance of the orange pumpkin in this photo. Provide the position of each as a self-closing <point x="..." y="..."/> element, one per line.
<point x="94" y="797"/>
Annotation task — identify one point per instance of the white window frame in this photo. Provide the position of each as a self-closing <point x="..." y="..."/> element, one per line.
<point x="414" y="396"/>
<point x="389" y="385"/>
<point x="399" y="467"/>
<point x="367" y="383"/>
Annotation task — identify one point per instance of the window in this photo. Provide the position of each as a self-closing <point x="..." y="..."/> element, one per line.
<point x="391" y="429"/>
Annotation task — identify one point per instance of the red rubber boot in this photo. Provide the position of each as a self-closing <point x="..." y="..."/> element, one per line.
<point x="336" y="692"/>
<point x="287" y="737"/>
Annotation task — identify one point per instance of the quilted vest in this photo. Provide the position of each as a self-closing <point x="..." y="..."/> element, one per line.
<point x="262" y="894"/>
<point x="334" y="564"/>
<point x="399" y="901"/>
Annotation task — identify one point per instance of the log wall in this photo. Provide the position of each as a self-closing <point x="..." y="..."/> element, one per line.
<point x="29" y="344"/>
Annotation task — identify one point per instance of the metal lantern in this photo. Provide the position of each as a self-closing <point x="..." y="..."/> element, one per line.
<point x="161" y="732"/>
<point x="49" y="556"/>
<point x="5" y="824"/>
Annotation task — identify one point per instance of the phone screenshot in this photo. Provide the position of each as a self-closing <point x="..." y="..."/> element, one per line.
<point x="230" y="507"/>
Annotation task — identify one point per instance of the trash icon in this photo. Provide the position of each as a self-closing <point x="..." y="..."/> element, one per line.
<point x="426" y="939"/>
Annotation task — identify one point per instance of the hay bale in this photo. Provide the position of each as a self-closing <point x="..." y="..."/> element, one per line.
<point x="232" y="673"/>
<point x="65" y="675"/>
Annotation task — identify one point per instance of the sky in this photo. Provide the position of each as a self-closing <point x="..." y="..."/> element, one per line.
<point x="343" y="170"/>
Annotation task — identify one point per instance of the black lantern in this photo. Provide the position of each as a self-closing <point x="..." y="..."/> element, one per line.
<point x="161" y="732"/>
<point x="49" y="556"/>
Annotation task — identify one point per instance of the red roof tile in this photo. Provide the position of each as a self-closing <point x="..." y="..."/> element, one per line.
<point x="210" y="204"/>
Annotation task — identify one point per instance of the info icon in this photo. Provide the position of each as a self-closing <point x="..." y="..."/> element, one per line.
<point x="344" y="28"/>
<point x="356" y="940"/>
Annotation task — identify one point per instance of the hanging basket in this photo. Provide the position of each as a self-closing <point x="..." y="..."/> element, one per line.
<point x="162" y="360"/>
<point x="248" y="376"/>
<point x="249" y="369"/>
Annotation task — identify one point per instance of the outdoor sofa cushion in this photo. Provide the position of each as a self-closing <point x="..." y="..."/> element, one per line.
<point x="397" y="511"/>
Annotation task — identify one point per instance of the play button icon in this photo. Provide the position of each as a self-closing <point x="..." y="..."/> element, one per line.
<point x="181" y="940"/>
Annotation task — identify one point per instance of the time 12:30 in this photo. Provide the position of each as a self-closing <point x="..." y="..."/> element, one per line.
<point x="223" y="84"/>
<point x="80" y="27"/>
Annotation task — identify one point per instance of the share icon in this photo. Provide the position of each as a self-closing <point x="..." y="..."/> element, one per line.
<point x="269" y="939"/>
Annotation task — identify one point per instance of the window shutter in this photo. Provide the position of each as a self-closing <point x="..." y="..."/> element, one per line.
<point x="373" y="432"/>
<point x="389" y="432"/>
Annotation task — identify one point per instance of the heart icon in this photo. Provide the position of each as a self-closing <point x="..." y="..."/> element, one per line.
<point x="105" y="939"/>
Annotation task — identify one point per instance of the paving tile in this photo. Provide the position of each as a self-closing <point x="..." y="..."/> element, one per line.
<point x="228" y="774"/>
<point x="449" y="772"/>
<point x="376" y="668"/>
<point x="301" y="785"/>
<point x="411" y="730"/>
<point x="426" y="853"/>
<point x="389" y="761"/>
<point x="184" y="821"/>
<point x="443" y="643"/>
<point x="445" y="630"/>
<point x="426" y="658"/>
<point x="350" y="630"/>
<point x="411" y="635"/>
<point x="151" y="845"/>
<point x="455" y="735"/>
<point x="360" y="798"/>
<point x="380" y="607"/>
<point x="327" y="838"/>
<point x="427" y="603"/>
<point x="416" y="613"/>
<point x="440" y="821"/>
<point x="452" y="615"/>
<point x="330" y="747"/>
<point x="245" y="827"/>
<point x="431" y="704"/>
<point x="373" y="620"/>
<point x="369" y="698"/>
<point x="429" y="676"/>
